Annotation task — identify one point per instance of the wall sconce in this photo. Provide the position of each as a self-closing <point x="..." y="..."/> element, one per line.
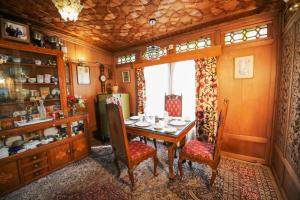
<point x="81" y="60"/>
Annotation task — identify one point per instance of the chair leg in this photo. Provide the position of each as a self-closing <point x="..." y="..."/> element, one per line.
<point x="213" y="176"/>
<point x="145" y="140"/>
<point x="117" y="166"/>
<point x="154" y="141"/>
<point x="155" y="161"/>
<point x="175" y="153"/>
<point x="180" y="165"/>
<point x="130" y="173"/>
<point x="190" y="163"/>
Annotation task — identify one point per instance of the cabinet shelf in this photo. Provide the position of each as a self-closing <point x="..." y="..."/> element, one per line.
<point x="27" y="102"/>
<point x="37" y="84"/>
<point x="27" y="65"/>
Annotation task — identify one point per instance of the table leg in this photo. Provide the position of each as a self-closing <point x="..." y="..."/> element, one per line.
<point x="171" y="148"/>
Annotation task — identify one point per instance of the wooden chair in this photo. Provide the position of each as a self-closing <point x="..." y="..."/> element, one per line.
<point x="173" y="105"/>
<point x="203" y="152"/>
<point x="130" y="153"/>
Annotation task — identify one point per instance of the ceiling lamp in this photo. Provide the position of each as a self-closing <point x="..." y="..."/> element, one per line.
<point x="68" y="9"/>
<point x="152" y="51"/>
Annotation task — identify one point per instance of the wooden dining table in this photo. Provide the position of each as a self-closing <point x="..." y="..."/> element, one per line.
<point x="172" y="139"/>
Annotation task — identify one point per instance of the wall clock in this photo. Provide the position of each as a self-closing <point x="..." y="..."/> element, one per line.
<point x="102" y="78"/>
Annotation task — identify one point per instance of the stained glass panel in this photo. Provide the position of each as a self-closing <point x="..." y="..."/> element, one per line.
<point x="126" y="59"/>
<point x="247" y="34"/>
<point x="193" y="45"/>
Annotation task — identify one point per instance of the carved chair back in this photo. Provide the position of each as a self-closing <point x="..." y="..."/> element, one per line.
<point x="173" y="105"/>
<point x="220" y="130"/>
<point x="118" y="132"/>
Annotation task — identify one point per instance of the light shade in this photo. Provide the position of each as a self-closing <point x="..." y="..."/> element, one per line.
<point x="68" y="9"/>
<point x="152" y="52"/>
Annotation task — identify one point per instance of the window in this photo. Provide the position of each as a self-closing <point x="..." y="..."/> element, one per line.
<point x="126" y="59"/>
<point x="157" y="85"/>
<point x="173" y="78"/>
<point x="246" y="34"/>
<point x="183" y="82"/>
<point x="193" y="45"/>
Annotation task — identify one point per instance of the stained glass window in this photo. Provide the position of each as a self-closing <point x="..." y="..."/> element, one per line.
<point x="193" y="45"/>
<point x="246" y="34"/>
<point x="162" y="52"/>
<point x="126" y="59"/>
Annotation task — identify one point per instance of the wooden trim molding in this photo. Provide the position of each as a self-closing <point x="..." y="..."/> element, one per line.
<point x="188" y="55"/>
<point x="243" y="157"/>
<point x="248" y="138"/>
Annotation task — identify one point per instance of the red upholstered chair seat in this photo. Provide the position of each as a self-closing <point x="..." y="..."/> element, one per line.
<point x="196" y="148"/>
<point x="139" y="151"/>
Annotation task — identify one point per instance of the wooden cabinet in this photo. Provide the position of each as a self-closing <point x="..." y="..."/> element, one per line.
<point x="80" y="148"/>
<point x="9" y="176"/>
<point x="28" y="75"/>
<point x="24" y="167"/>
<point x="34" y="166"/>
<point x="60" y="155"/>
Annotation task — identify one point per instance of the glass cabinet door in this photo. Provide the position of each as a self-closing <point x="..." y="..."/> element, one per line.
<point x="27" y="80"/>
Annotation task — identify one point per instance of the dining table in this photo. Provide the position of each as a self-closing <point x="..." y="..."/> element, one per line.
<point x="170" y="138"/>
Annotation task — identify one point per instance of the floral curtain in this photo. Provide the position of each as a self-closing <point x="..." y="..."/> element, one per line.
<point x="141" y="89"/>
<point x="206" y="98"/>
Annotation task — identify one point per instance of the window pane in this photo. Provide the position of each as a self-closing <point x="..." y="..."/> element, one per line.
<point x="157" y="85"/>
<point x="183" y="82"/>
<point x="247" y="34"/>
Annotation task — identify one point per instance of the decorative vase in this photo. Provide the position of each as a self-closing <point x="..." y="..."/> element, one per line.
<point x="73" y="109"/>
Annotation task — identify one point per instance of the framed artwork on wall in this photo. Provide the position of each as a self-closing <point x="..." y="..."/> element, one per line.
<point x="15" y="31"/>
<point x="243" y="67"/>
<point x="83" y="74"/>
<point x="126" y="77"/>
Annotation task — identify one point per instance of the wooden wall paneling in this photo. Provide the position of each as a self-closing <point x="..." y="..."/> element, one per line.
<point x="129" y="88"/>
<point x="92" y="58"/>
<point x="250" y="113"/>
<point x="286" y="155"/>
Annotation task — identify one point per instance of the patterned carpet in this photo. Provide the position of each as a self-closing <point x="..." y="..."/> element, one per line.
<point x="94" y="178"/>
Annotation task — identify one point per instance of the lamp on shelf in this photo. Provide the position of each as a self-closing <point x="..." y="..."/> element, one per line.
<point x="152" y="51"/>
<point x="68" y="9"/>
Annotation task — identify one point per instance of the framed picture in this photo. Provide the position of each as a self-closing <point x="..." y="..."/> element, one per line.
<point x="126" y="77"/>
<point x="83" y="75"/>
<point x="15" y="31"/>
<point x="243" y="67"/>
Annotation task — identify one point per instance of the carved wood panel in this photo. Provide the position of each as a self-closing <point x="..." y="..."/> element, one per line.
<point x="293" y="134"/>
<point x="284" y="86"/>
<point x="116" y="24"/>
<point x="9" y="176"/>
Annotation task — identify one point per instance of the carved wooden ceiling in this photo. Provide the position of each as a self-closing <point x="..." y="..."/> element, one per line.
<point x="117" y="24"/>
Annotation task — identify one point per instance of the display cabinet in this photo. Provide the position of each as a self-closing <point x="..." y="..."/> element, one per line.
<point x="37" y="134"/>
<point x="32" y="84"/>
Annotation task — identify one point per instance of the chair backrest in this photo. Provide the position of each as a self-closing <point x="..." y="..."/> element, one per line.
<point x="220" y="129"/>
<point x="173" y="105"/>
<point x="118" y="134"/>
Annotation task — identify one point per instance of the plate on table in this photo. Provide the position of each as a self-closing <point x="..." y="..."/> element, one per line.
<point x="170" y="130"/>
<point x="135" y="117"/>
<point x="128" y="122"/>
<point x="142" y="124"/>
<point x="177" y="123"/>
